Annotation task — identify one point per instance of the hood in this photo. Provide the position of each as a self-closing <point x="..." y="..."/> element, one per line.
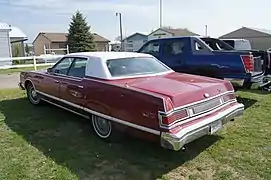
<point x="181" y="88"/>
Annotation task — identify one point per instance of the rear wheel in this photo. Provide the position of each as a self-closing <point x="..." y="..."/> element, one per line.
<point x="32" y="95"/>
<point x="103" y="127"/>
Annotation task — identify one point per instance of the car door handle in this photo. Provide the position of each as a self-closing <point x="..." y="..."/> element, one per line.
<point x="56" y="81"/>
<point x="81" y="87"/>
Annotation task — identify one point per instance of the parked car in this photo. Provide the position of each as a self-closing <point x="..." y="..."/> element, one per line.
<point x="135" y="93"/>
<point x="192" y="55"/>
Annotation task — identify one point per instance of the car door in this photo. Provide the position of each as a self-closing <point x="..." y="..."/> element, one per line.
<point x="173" y="53"/>
<point x="50" y="84"/>
<point x="152" y="48"/>
<point x="72" y="86"/>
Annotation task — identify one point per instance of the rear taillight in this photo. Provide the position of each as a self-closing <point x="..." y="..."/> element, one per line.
<point x="229" y="97"/>
<point x="176" y="116"/>
<point x="248" y="62"/>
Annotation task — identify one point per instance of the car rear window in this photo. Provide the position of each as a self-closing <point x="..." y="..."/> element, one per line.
<point x="135" y="66"/>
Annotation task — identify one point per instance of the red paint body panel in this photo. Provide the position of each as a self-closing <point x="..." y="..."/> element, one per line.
<point x="182" y="89"/>
<point x="134" y="100"/>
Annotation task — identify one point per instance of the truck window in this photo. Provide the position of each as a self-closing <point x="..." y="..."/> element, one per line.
<point x="230" y="42"/>
<point x="200" y="46"/>
<point x="151" y="48"/>
<point x="173" y="47"/>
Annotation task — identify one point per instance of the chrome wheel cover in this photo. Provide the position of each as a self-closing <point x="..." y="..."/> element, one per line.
<point x="102" y="127"/>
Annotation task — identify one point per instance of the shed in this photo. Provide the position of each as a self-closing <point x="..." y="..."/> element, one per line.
<point x="133" y="42"/>
<point x="5" y="50"/>
<point x="259" y="38"/>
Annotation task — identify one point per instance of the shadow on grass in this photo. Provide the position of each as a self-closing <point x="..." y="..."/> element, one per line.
<point x="70" y="142"/>
<point x="246" y="101"/>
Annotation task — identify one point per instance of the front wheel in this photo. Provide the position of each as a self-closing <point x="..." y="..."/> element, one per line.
<point x="32" y="95"/>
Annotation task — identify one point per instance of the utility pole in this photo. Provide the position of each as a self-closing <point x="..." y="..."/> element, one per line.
<point x="206" y="29"/>
<point x="121" y="37"/>
<point x="160" y="13"/>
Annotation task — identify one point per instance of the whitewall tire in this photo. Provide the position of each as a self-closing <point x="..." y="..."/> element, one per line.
<point x="32" y="95"/>
<point x="102" y="127"/>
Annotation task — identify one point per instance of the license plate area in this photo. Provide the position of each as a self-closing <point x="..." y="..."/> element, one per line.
<point x="216" y="126"/>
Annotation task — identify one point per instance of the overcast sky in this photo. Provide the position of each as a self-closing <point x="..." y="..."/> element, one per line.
<point x="221" y="16"/>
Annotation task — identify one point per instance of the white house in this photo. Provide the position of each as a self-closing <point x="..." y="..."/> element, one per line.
<point x="5" y="48"/>
<point x="133" y="42"/>
<point x="169" y="32"/>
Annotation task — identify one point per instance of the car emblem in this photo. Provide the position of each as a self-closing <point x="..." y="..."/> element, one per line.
<point x="206" y="95"/>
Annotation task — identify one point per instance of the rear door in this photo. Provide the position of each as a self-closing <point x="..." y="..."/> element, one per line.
<point x="72" y="86"/>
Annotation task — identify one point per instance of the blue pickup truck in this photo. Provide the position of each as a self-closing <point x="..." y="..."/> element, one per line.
<point x="193" y="56"/>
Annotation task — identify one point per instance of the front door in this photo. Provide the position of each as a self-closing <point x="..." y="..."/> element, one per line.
<point x="152" y="48"/>
<point x="50" y="84"/>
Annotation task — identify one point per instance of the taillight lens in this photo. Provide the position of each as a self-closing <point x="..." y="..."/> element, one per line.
<point x="168" y="105"/>
<point x="229" y="97"/>
<point x="178" y="115"/>
<point x="248" y="62"/>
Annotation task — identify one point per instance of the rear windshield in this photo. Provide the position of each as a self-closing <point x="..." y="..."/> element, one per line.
<point x="230" y="42"/>
<point x="135" y="66"/>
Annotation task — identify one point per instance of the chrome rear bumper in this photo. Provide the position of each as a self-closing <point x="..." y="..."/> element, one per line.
<point x="207" y="126"/>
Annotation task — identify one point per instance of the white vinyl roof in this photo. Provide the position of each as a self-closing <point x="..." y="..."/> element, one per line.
<point x="97" y="67"/>
<point x="104" y="56"/>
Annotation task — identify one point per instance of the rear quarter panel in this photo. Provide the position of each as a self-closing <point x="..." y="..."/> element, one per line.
<point x="123" y="103"/>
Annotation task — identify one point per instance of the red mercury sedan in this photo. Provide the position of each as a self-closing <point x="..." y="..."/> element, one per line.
<point x="135" y="93"/>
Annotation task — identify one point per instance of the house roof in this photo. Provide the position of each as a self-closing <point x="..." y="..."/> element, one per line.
<point x="178" y="31"/>
<point x="61" y="37"/>
<point x="4" y="26"/>
<point x="137" y="33"/>
<point x="264" y="32"/>
<point x="17" y="33"/>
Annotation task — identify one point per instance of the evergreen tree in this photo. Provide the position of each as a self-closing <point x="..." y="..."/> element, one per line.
<point x="79" y="37"/>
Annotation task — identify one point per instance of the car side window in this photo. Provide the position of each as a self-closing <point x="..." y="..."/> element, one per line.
<point x="78" y="68"/>
<point x="172" y="48"/>
<point x="151" y="48"/>
<point x="63" y="66"/>
<point x="200" y="47"/>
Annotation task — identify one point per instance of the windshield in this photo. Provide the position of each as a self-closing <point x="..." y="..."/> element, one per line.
<point x="135" y="66"/>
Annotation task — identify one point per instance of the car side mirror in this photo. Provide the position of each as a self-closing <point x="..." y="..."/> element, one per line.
<point x="49" y="70"/>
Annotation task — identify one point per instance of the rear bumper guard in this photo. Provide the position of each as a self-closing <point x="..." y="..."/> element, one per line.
<point x="205" y="127"/>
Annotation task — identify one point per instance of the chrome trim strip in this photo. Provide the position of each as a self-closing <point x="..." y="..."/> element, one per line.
<point x="100" y="81"/>
<point x="65" y="108"/>
<point x="104" y="116"/>
<point x="220" y="115"/>
<point x="194" y="103"/>
<point x="175" y="141"/>
<point x="178" y="123"/>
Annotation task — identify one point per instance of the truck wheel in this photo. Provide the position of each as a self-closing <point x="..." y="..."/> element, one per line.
<point x="247" y="85"/>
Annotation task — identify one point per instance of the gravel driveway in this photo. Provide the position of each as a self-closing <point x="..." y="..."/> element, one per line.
<point x="8" y="81"/>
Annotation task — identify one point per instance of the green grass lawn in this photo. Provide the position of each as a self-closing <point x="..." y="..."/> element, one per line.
<point x="15" y="70"/>
<point x="49" y="143"/>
